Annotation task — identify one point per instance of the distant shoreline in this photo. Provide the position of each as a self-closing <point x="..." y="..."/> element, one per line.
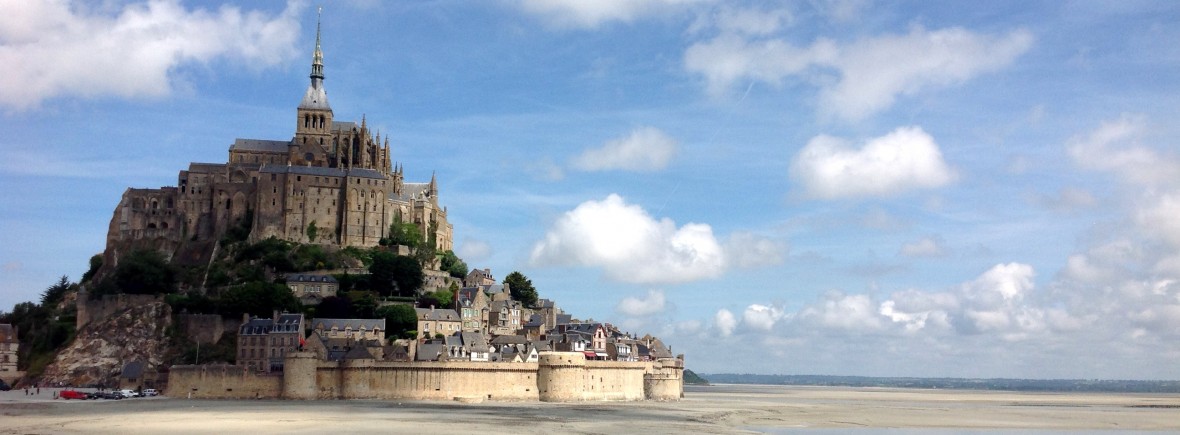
<point x="980" y="384"/>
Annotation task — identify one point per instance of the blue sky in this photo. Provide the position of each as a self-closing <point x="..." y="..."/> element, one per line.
<point x="903" y="189"/>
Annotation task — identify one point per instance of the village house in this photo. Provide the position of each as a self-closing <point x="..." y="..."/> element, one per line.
<point x="9" y="351"/>
<point x="311" y="289"/>
<point x="479" y="277"/>
<point x="350" y="329"/>
<point x="504" y="317"/>
<point x="432" y="322"/>
<point x="263" y="343"/>
<point x="472" y="304"/>
<point x="466" y="346"/>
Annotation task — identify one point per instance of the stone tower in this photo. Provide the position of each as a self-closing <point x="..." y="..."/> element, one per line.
<point x="313" y="129"/>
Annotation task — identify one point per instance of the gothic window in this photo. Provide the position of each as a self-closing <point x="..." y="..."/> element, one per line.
<point x="306" y="121"/>
<point x="310" y="156"/>
<point x="228" y="203"/>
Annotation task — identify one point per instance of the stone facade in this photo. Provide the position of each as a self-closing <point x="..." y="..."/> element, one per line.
<point x="263" y="343"/>
<point x="556" y="377"/>
<point x="334" y="183"/>
<point x="9" y="349"/>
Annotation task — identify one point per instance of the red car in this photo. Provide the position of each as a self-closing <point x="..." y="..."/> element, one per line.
<point x="71" y="394"/>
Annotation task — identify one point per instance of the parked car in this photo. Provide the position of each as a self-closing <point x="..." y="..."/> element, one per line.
<point x="4" y="386"/>
<point x="72" y="394"/>
<point x="109" y="395"/>
<point x="150" y="392"/>
<point x="128" y="393"/>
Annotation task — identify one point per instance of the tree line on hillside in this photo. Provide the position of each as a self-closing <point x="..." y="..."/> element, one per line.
<point x="249" y="278"/>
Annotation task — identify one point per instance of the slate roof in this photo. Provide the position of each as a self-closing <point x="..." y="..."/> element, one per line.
<point x="429" y="352"/>
<point x="263" y="145"/>
<point x="304" y="277"/>
<point x="342" y="324"/>
<point x="344" y="125"/>
<point x="316" y="97"/>
<point x="564" y="319"/>
<point x="359" y="352"/>
<point x="501" y="340"/>
<point x="264" y="325"/>
<point x="410" y="191"/>
<point x="206" y="168"/>
<point x="535" y="321"/>
<point x="133" y="370"/>
<point x="439" y="314"/>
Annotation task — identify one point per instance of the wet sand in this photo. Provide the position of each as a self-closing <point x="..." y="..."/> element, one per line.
<point x="716" y="409"/>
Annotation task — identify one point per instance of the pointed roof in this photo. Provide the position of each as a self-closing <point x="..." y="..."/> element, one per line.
<point x="316" y="98"/>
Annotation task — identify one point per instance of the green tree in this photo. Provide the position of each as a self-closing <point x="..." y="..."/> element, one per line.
<point x="95" y="264"/>
<point x="453" y="265"/>
<point x="439" y="299"/>
<point x="522" y="289"/>
<point x="395" y="275"/>
<point x="400" y="320"/>
<point x="259" y="299"/>
<point x="403" y="233"/>
<point x="52" y="295"/>
<point x="312" y="231"/>
<point x="145" y="272"/>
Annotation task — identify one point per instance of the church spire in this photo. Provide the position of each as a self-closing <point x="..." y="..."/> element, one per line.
<point x="316" y="98"/>
<point x="317" y="58"/>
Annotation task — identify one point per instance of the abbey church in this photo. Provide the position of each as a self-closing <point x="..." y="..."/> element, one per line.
<point x="333" y="183"/>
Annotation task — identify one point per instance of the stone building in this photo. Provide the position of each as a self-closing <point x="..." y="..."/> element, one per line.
<point x="263" y="343"/>
<point x="311" y="289"/>
<point x="333" y="183"/>
<point x="441" y="321"/>
<point x="9" y="348"/>
<point x="350" y="329"/>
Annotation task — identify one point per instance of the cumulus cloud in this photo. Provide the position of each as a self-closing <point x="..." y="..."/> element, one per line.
<point x="630" y="245"/>
<point x="905" y="159"/>
<point x="871" y="72"/>
<point x="58" y="49"/>
<point x="932" y="246"/>
<point x="761" y="317"/>
<point x="591" y="14"/>
<point x="725" y="321"/>
<point x="471" y="250"/>
<point x="748" y="250"/>
<point x="1115" y="147"/>
<point x="744" y="21"/>
<point x="645" y="149"/>
<point x="636" y="307"/>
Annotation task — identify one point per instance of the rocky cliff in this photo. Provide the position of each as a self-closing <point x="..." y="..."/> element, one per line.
<point x="101" y="349"/>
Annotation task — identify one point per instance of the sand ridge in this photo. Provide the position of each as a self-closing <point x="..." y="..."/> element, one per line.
<point x="707" y="410"/>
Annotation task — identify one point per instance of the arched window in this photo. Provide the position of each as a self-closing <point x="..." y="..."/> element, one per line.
<point x="306" y="121"/>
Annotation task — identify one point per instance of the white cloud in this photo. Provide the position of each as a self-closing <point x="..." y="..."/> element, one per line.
<point x="1161" y="218"/>
<point x="630" y="245"/>
<point x="872" y="72"/>
<point x="904" y="159"/>
<point x="744" y="21"/>
<point x="1114" y="147"/>
<point x="645" y="149"/>
<point x="761" y="317"/>
<point x="57" y="48"/>
<point x="472" y="250"/>
<point x="748" y="250"/>
<point x="1067" y="200"/>
<point x="591" y="14"/>
<point x="926" y="247"/>
<point x="725" y="321"/>
<point x="635" y="307"/>
<point x="844" y="312"/>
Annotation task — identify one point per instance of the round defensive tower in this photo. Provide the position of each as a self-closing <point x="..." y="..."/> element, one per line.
<point x="560" y="376"/>
<point x="664" y="380"/>
<point x="355" y="379"/>
<point x="299" y="379"/>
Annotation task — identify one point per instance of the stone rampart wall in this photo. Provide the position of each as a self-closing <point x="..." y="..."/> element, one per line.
<point x="560" y="377"/>
<point x="222" y="382"/>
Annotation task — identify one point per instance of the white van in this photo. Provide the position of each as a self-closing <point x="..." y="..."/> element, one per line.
<point x="150" y="392"/>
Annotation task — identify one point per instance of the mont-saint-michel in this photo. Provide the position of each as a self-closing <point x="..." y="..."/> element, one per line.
<point x="311" y="269"/>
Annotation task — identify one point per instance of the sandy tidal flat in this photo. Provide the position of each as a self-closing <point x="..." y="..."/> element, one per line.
<point x="716" y="409"/>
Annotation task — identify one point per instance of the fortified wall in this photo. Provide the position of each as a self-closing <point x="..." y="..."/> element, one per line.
<point x="556" y="377"/>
